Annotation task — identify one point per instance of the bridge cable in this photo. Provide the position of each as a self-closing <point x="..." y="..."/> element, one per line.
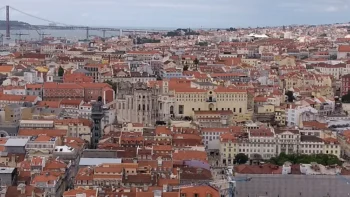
<point x="39" y="18"/>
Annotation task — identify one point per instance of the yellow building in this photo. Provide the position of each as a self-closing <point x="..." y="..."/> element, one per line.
<point x="252" y="62"/>
<point x="188" y="100"/>
<point x="228" y="148"/>
<point x="6" y="69"/>
<point x="325" y="91"/>
<point x="280" y="116"/>
<point x="331" y="146"/>
<point x="288" y="61"/>
<point x="266" y="109"/>
<point x="12" y="113"/>
<point x="301" y="80"/>
<point x="79" y="127"/>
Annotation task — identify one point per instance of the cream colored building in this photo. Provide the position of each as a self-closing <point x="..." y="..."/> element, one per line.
<point x="252" y="62"/>
<point x="188" y="100"/>
<point x="76" y="127"/>
<point x="301" y="80"/>
<point x="260" y="142"/>
<point x="332" y="146"/>
<point x="288" y="61"/>
<point x="175" y="98"/>
<point x="228" y="148"/>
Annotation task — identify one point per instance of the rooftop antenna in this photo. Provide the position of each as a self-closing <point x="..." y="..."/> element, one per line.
<point x="1" y="39"/>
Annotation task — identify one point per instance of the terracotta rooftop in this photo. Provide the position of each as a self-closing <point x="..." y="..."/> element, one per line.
<point x="190" y="155"/>
<point x="36" y="132"/>
<point x="258" y="169"/>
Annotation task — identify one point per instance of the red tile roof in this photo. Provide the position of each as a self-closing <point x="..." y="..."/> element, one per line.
<point x="344" y="48"/>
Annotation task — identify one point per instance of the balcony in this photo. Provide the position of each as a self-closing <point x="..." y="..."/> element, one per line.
<point x="211" y="100"/>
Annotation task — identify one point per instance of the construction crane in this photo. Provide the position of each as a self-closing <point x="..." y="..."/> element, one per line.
<point x="42" y="35"/>
<point x="20" y="36"/>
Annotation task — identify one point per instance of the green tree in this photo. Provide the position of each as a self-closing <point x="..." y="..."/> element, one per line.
<point x="290" y="95"/>
<point x="346" y="98"/>
<point x="113" y="84"/>
<point x="241" y="158"/>
<point x="333" y="57"/>
<point x="185" y="68"/>
<point x="324" y="159"/>
<point x="60" y="71"/>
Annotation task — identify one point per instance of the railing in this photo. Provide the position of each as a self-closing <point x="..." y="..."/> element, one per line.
<point x="211" y="100"/>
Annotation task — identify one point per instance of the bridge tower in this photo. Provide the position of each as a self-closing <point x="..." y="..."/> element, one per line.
<point x="8" y="22"/>
<point x="1" y="40"/>
<point x="87" y="33"/>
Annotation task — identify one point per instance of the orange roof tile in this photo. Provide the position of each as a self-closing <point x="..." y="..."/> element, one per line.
<point x="3" y="140"/>
<point x="74" y="121"/>
<point x="315" y="124"/>
<point x="36" y="132"/>
<point x="75" y="192"/>
<point x="75" y="102"/>
<point x="6" y="69"/>
<point x="34" y="86"/>
<point x="11" y="97"/>
<point x="344" y="48"/>
<point x="49" y="179"/>
<point x="190" y="155"/>
<point x="51" y="104"/>
<point x="202" y="191"/>
<point x="162" y="130"/>
<point x="162" y="148"/>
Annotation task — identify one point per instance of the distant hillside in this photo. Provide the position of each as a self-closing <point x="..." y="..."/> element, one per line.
<point x="14" y="25"/>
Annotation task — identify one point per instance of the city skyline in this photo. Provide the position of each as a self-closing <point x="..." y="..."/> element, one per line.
<point x="182" y="13"/>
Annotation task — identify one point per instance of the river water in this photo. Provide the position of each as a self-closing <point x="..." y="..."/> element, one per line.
<point x="70" y="34"/>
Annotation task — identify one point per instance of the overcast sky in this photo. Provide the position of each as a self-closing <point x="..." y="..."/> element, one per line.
<point x="182" y="13"/>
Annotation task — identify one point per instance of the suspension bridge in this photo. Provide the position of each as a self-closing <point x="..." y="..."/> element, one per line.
<point x="54" y="25"/>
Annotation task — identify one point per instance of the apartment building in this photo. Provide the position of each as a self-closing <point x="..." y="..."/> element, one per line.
<point x="50" y="183"/>
<point x="41" y="145"/>
<point x="213" y="119"/>
<point x="77" y="127"/>
<point x="87" y="91"/>
<point x="345" y="84"/>
<point x="298" y="113"/>
<point x="17" y="99"/>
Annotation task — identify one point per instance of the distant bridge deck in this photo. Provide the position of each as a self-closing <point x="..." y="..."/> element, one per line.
<point x="87" y="28"/>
